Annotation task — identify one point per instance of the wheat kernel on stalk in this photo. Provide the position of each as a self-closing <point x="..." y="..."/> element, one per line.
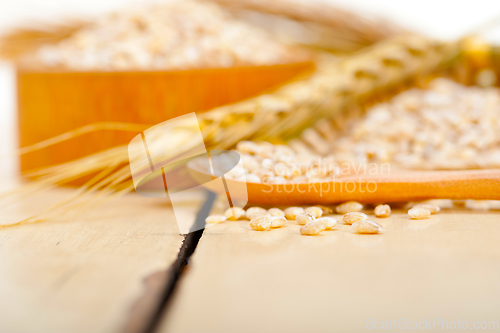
<point x="215" y="219"/>
<point x="255" y="212"/>
<point x="234" y="213"/>
<point x="348" y="207"/>
<point x="367" y="227"/>
<point x="328" y="222"/>
<point x="430" y="207"/>
<point x="353" y="217"/>
<point x="382" y="211"/>
<point x="312" y="228"/>
<point x="419" y="213"/>
<point x="278" y="221"/>
<point x="292" y="212"/>
<point x="276" y="212"/>
<point x="261" y="223"/>
<point x="304" y="218"/>
<point x="315" y="211"/>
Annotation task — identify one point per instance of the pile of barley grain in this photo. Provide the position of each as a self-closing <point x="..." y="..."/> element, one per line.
<point x="177" y="34"/>
<point x="316" y="219"/>
<point x="279" y="164"/>
<point x="446" y="126"/>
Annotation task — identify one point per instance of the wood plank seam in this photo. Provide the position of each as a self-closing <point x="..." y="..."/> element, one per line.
<point x="173" y="275"/>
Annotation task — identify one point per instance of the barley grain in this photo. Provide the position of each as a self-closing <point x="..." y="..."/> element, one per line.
<point x="247" y="147"/>
<point x="255" y="212"/>
<point x="348" y="207"/>
<point x="249" y="163"/>
<point x="261" y="223"/>
<point x="292" y="212"/>
<point x="367" y="227"/>
<point x="430" y="207"/>
<point x="353" y="217"/>
<point x="328" y="222"/>
<point x="278" y="221"/>
<point x="234" y="213"/>
<point x="312" y="228"/>
<point x="315" y="211"/>
<point x="382" y="211"/>
<point x="276" y="212"/>
<point x="304" y="218"/>
<point x="419" y="213"/>
<point x="252" y="178"/>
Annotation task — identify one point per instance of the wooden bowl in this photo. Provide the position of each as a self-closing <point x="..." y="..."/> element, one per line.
<point x="54" y="102"/>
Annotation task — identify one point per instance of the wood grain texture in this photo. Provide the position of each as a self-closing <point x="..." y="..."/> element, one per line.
<point x="52" y="103"/>
<point x="279" y="281"/>
<point x="84" y="273"/>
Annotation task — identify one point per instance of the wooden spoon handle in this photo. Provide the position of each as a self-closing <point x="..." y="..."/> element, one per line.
<point x="405" y="186"/>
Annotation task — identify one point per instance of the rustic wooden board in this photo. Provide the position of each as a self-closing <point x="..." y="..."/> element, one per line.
<point x="240" y="280"/>
<point x="86" y="273"/>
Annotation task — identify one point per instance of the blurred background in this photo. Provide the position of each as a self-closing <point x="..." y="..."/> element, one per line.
<point x="447" y="20"/>
<point x="441" y="19"/>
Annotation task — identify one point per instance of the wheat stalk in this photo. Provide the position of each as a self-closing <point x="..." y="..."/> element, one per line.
<point x="281" y="115"/>
<point x="327" y="27"/>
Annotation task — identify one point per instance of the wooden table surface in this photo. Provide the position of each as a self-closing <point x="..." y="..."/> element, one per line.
<point x="87" y="273"/>
<point x="242" y="280"/>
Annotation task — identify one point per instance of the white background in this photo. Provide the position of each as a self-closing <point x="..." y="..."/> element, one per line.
<point x="441" y="18"/>
<point x="447" y="19"/>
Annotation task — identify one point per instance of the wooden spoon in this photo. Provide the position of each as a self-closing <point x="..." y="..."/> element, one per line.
<point x="402" y="186"/>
